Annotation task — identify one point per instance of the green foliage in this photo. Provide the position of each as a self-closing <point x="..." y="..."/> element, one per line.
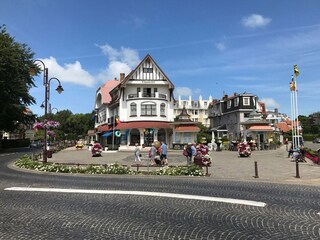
<point x="308" y="126"/>
<point x="15" y="82"/>
<point x="72" y="126"/>
<point x="204" y="133"/>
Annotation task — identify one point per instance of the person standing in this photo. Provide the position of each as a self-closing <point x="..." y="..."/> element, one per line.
<point x="189" y="153"/>
<point x="137" y="153"/>
<point x="164" y="152"/>
<point x="193" y="152"/>
<point x="152" y="154"/>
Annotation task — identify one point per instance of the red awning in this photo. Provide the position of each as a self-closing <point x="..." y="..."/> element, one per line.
<point x="104" y="128"/>
<point x="189" y="128"/>
<point x="130" y="125"/>
<point x="261" y="128"/>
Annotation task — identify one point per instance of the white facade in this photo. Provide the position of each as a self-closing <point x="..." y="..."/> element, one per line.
<point x="139" y="107"/>
<point x="197" y="109"/>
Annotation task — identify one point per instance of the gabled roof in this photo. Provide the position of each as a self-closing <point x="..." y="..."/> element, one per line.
<point x="106" y="89"/>
<point x="147" y="58"/>
<point x="283" y="126"/>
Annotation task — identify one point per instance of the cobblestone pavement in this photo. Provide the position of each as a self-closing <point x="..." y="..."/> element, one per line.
<point x="272" y="165"/>
<point x="291" y="211"/>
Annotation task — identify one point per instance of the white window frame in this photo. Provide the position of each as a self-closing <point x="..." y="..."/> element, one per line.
<point x="246" y="101"/>
<point x="236" y="102"/>
<point x="148" y="109"/>
<point x="229" y="104"/>
<point x="133" y="109"/>
<point x="162" y="109"/>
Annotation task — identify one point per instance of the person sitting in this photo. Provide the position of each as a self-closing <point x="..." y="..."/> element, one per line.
<point x="295" y="155"/>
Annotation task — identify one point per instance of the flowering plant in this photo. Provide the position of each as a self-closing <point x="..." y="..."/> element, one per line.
<point x="51" y="133"/>
<point x="48" y="124"/>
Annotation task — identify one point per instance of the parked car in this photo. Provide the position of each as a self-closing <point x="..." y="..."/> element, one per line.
<point x="35" y="145"/>
<point x="316" y="140"/>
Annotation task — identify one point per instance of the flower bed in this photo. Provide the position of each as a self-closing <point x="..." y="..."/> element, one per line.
<point x="27" y="162"/>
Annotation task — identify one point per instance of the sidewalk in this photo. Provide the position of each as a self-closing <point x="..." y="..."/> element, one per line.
<point x="272" y="165"/>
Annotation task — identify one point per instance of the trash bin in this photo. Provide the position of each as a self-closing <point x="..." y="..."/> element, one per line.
<point x="49" y="153"/>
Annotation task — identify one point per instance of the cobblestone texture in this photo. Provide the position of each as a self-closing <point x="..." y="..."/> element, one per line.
<point x="292" y="211"/>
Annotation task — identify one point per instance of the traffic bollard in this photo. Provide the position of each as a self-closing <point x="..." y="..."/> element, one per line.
<point x="297" y="170"/>
<point x="256" y="169"/>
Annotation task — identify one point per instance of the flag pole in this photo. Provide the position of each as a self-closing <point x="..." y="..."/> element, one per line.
<point x="113" y="123"/>
<point x="294" y="107"/>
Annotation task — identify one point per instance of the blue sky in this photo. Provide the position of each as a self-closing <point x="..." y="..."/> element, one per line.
<point x="205" y="47"/>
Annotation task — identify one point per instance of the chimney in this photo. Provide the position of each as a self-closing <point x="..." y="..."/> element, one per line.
<point x="122" y="76"/>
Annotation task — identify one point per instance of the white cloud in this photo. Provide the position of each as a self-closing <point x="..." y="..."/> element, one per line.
<point x="120" y="61"/>
<point x="220" y="46"/>
<point x="270" y="103"/>
<point x="113" y="70"/>
<point x="138" y="22"/>
<point x="183" y="91"/>
<point x="69" y="72"/>
<point x="255" y="20"/>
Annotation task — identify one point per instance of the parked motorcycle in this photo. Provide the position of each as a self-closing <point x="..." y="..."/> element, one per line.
<point x="96" y="150"/>
<point x="244" y="149"/>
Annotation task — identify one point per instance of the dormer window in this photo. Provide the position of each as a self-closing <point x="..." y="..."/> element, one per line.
<point x="229" y="104"/>
<point x="246" y="101"/>
<point x="236" y="102"/>
<point x="148" y="70"/>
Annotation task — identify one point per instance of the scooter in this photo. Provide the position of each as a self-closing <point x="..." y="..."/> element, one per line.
<point x="96" y="150"/>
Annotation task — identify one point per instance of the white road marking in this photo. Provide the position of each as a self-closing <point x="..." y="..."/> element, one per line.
<point x="141" y="193"/>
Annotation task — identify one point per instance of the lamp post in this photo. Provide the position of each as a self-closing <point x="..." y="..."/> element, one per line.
<point x="46" y="83"/>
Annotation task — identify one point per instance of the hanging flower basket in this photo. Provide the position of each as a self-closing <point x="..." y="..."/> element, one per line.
<point x="48" y="124"/>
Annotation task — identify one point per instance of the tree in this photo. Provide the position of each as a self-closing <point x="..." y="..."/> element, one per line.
<point x="15" y="82"/>
<point x="204" y="133"/>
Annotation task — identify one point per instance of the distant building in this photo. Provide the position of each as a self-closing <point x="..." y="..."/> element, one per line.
<point x="227" y="113"/>
<point x="197" y="109"/>
<point x="275" y="117"/>
<point x="185" y="130"/>
<point x="241" y="117"/>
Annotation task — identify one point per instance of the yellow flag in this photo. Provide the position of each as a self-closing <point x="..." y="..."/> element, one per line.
<point x="296" y="70"/>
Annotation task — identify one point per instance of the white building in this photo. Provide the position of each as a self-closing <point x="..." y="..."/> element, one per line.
<point x="137" y="108"/>
<point x="197" y="109"/>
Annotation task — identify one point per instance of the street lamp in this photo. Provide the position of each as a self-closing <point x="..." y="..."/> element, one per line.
<point x="54" y="109"/>
<point x="46" y="82"/>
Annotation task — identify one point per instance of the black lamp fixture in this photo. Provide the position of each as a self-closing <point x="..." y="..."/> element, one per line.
<point x="46" y="83"/>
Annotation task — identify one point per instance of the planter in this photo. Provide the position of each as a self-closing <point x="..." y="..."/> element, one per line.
<point x="313" y="158"/>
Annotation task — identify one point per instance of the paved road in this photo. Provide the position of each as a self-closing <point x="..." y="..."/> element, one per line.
<point x="290" y="211"/>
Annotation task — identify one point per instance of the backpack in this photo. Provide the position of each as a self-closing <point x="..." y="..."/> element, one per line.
<point x="185" y="153"/>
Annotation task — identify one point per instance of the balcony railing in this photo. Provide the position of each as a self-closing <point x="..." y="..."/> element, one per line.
<point x="147" y="95"/>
